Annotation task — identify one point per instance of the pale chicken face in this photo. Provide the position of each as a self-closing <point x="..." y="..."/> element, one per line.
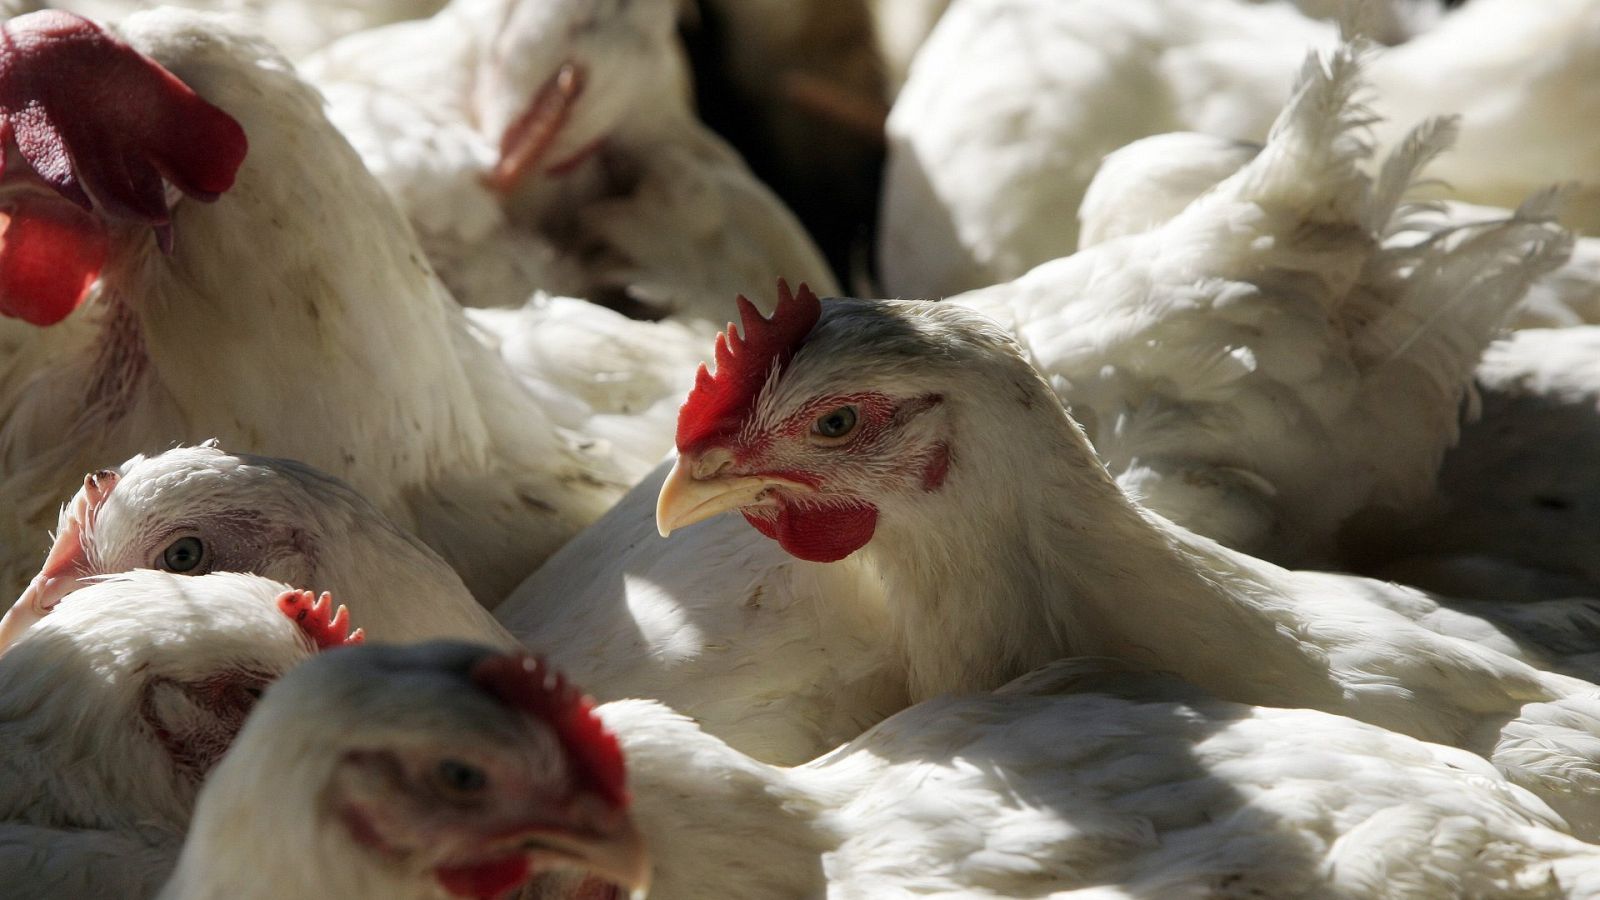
<point x="177" y="514"/>
<point x="820" y="439"/>
<point x="815" y="471"/>
<point x="189" y="511"/>
<point x="457" y="766"/>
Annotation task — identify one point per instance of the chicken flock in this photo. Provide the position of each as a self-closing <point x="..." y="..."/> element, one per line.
<point x="391" y="513"/>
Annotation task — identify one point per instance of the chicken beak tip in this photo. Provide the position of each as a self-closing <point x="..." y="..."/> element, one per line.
<point x="667" y="501"/>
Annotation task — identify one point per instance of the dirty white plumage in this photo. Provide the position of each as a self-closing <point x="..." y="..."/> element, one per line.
<point x="334" y="344"/>
<point x="92" y="802"/>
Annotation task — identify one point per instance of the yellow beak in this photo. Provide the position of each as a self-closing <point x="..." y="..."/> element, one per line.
<point x="687" y="498"/>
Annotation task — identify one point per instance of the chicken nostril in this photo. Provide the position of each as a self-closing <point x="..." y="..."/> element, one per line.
<point x="713" y="464"/>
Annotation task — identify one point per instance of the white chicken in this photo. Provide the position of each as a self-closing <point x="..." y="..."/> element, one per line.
<point x="113" y="710"/>
<point x="1012" y="104"/>
<point x="661" y="619"/>
<point x="778" y="656"/>
<point x="444" y="769"/>
<point x="915" y="437"/>
<point x="1514" y="488"/>
<point x="195" y="510"/>
<point x="902" y="26"/>
<point x="1273" y="335"/>
<point x="551" y="145"/>
<point x="302" y="269"/>
<point x="1521" y="77"/>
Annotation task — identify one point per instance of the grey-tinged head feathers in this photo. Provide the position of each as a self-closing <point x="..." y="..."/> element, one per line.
<point x="284" y="520"/>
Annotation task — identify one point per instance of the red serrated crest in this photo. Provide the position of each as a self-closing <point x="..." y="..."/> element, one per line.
<point x="720" y="402"/>
<point x="525" y="682"/>
<point x="326" y="627"/>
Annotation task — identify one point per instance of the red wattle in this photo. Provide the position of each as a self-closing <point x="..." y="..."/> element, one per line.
<point x="50" y="254"/>
<point x="486" y="880"/>
<point x="819" y="534"/>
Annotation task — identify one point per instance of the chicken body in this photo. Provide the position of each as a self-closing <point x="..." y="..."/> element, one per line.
<point x="780" y="657"/>
<point x="1079" y="779"/>
<point x="955" y="217"/>
<point x="1497" y="523"/>
<point x="1273" y="335"/>
<point x="1037" y="554"/>
<point x="617" y="381"/>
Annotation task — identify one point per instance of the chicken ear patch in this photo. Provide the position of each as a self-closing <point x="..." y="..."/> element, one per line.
<point x="51" y="253"/>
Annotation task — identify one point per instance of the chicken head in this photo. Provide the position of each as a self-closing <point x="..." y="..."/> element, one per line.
<point x="427" y="767"/>
<point x="93" y="134"/>
<point x="808" y="450"/>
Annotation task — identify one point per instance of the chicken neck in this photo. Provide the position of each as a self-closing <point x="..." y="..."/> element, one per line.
<point x="1031" y="553"/>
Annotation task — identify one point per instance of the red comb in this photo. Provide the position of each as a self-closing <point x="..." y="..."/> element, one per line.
<point x="719" y="402"/>
<point x="316" y="616"/>
<point x="524" y="682"/>
<point x="102" y="124"/>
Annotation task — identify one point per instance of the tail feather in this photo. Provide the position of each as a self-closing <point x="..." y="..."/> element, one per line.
<point x="1312" y="157"/>
<point x="1458" y="286"/>
<point x="1401" y="171"/>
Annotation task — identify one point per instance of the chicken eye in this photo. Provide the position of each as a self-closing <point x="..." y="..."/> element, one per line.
<point x="183" y="555"/>
<point x="461" y="778"/>
<point x="835" y="426"/>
